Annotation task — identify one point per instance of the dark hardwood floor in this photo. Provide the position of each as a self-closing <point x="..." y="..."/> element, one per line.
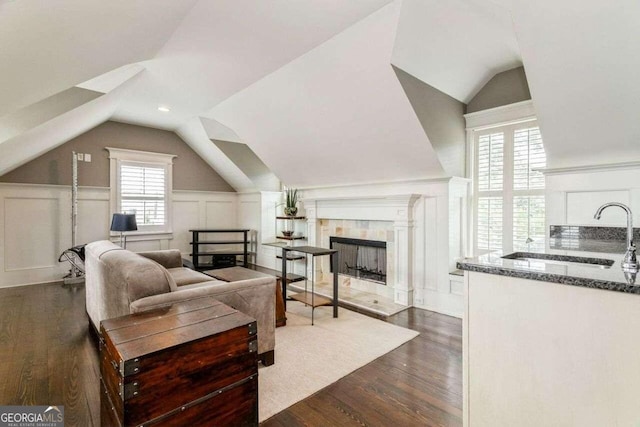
<point x="47" y="357"/>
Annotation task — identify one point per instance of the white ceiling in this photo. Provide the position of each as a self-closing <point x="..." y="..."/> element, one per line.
<point x="312" y="120"/>
<point x="49" y="46"/>
<point x="456" y="46"/>
<point x="582" y="61"/>
<point x="223" y="46"/>
<point x="300" y="80"/>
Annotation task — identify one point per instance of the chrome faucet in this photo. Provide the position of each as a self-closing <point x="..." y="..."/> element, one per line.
<point x="629" y="263"/>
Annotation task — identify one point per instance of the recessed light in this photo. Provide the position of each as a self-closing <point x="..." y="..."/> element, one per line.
<point x="164" y="108"/>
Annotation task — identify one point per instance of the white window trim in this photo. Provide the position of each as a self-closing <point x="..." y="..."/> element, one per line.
<point x="478" y="122"/>
<point x="500" y="116"/>
<point x="119" y="155"/>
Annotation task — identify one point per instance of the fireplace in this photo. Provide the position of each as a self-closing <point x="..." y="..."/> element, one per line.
<point x="360" y="258"/>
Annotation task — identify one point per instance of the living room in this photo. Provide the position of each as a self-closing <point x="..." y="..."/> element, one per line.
<point x="375" y="111"/>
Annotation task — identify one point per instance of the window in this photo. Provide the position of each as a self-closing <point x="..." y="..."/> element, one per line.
<point x="509" y="193"/>
<point x="142" y="190"/>
<point x="141" y="184"/>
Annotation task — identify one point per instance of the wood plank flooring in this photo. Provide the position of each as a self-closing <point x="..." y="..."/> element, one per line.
<point x="47" y="357"/>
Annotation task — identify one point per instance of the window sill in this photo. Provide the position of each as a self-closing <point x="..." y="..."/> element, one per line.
<point x="140" y="236"/>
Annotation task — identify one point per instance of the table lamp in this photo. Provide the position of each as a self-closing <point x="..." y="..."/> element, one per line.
<point x="123" y="222"/>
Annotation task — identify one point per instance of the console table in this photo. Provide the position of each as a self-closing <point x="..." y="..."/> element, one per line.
<point x="310" y="298"/>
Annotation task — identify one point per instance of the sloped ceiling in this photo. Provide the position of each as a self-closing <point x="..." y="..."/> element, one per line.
<point x="582" y="60"/>
<point x="223" y="46"/>
<point x="442" y="119"/>
<point x="336" y="114"/>
<point x="456" y="46"/>
<point x="306" y="83"/>
<point x="48" y="47"/>
<point x="31" y="131"/>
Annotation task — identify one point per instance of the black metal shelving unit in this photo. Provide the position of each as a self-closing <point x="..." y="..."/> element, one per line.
<point x="198" y="252"/>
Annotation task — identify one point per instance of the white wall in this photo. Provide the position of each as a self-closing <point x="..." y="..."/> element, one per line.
<point x="573" y="195"/>
<point x="35" y="226"/>
<point x="437" y="234"/>
<point x="257" y="211"/>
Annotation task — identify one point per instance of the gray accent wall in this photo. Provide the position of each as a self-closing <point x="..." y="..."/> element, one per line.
<point x="34" y="115"/>
<point x="250" y="164"/>
<point x="504" y="88"/>
<point x="441" y="117"/>
<point x="190" y="171"/>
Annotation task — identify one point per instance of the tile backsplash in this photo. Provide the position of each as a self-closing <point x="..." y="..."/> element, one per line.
<point x="590" y="238"/>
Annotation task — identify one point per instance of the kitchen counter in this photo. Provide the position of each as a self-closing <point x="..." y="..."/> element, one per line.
<point x="537" y="352"/>
<point x="588" y="275"/>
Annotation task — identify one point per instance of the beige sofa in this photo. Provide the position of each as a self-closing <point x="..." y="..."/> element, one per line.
<point x="120" y="282"/>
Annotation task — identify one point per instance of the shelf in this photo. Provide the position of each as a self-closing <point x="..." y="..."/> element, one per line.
<point x="218" y="242"/>
<point x="222" y="252"/>
<point x="292" y="217"/>
<point x="219" y="230"/>
<point x="305" y="297"/>
<point x="291" y="277"/>
<point x="209" y="266"/>
<point x="291" y="238"/>
<point x="197" y="245"/>
<point x="277" y="244"/>
<point x="291" y="257"/>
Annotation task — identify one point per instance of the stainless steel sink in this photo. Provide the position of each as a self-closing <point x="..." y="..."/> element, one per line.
<point x="566" y="260"/>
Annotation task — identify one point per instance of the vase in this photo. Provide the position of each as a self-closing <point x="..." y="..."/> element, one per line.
<point x="290" y="211"/>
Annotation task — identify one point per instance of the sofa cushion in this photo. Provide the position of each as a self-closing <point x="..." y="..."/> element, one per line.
<point x="168" y="258"/>
<point x="144" y="277"/>
<point x="185" y="276"/>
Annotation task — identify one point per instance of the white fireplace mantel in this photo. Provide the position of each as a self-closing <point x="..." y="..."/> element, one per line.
<point x="387" y="208"/>
<point x="397" y="209"/>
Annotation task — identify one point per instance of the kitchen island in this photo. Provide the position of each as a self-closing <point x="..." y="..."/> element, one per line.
<point x="550" y="342"/>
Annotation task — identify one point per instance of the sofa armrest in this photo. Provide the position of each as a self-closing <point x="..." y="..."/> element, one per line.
<point x="260" y="286"/>
<point x="168" y="258"/>
<point x="254" y="297"/>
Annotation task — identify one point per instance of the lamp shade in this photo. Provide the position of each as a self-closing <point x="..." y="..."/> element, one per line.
<point x="123" y="222"/>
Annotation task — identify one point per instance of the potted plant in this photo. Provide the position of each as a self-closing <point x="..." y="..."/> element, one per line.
<point x="291" y="205"/>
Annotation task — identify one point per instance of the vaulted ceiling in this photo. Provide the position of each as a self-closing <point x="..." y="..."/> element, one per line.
<point x="309" y="86"/>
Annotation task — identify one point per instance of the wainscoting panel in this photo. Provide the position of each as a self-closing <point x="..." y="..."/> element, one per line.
<point x="249" y="207"/>
<point x="34" y="229"/>
<point x="185" y="214"/>
<point x="573" y="196"/>
<point x="431" y="266"/>
<point x="581" y="205"/>
<point x="35" y="226"/>
<point x="220" y="214"/>
<point x="146" y="245"/>
<point x="93" y="219"/>
<point x="32" y="239"/>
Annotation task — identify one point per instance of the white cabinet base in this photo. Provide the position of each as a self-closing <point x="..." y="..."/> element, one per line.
<point x="544" y="354"/>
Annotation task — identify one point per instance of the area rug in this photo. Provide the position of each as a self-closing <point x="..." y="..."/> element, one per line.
<point x="309" y="358"/>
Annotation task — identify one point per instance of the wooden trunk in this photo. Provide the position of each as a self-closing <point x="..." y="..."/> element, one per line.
<point x="194" y="363"/>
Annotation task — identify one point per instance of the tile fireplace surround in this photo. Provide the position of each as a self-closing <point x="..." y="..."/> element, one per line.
<point x="387" y="219"/>
<point x="359" y="229"/>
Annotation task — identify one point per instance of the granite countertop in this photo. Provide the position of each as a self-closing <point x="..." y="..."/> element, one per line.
<point x="588" y="276"/>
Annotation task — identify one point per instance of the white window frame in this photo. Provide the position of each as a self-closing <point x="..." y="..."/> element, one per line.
<point x="507" y="118"/>
<point x="120" y="156"/>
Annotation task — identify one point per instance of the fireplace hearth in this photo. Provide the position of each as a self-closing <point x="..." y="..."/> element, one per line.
<point x="360" y="258"/>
